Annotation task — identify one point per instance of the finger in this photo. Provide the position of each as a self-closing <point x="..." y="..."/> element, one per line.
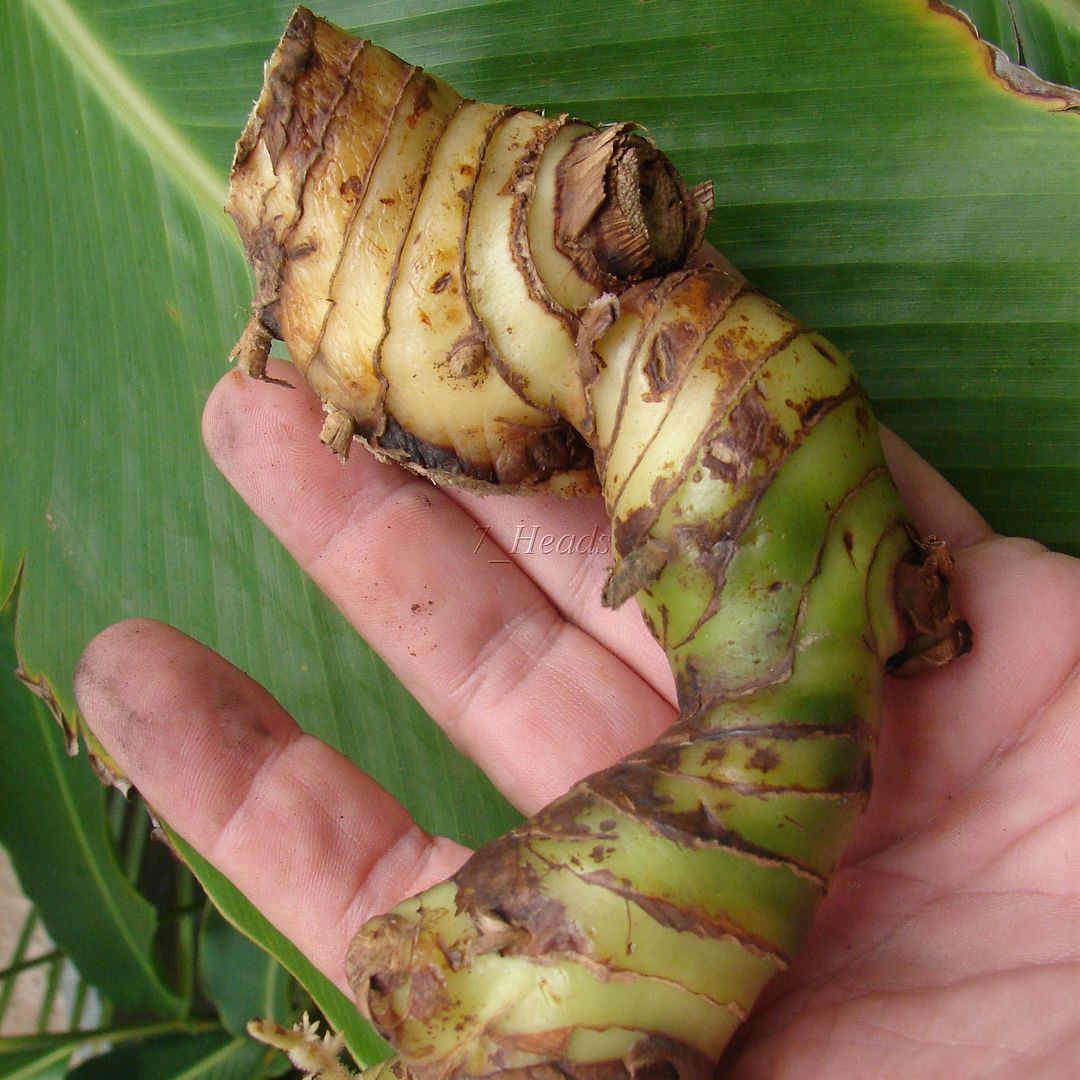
<point x="314" y="843"/>
<point x="536" y="701"/>
<point x="532" y="533"/>
<point x="564" y="547"/>
<point x="937" y="508"/>
<point x="946" y="731"/>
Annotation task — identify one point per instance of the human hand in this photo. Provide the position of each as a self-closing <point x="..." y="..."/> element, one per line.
<point x="947" y="946"/>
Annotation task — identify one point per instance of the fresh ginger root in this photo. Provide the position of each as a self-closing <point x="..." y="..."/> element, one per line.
<point x="493" y="297"/>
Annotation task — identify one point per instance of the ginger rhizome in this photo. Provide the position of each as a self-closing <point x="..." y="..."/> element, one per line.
<point x="494" y="297"/>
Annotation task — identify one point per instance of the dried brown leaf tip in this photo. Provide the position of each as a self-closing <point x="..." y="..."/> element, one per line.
<point x="1014" y="76"/>
<point x="39" y="686"/>
<point x="635" y="572"/>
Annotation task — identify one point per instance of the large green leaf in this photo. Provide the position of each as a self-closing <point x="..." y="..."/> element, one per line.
<point x="871" y="172"/>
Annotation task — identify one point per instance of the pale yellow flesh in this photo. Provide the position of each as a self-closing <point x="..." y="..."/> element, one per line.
<point x="347" y="354"/>
<point x="519" y="328"/>
<point x="330" y="200"/>
<point x="641" y="410"/>
<point x="750" y="328"/>
<point x="431" y="323"/>
<point x="560" y="275"/>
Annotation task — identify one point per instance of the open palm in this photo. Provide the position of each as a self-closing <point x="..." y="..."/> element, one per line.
<point x="949" y="945"/>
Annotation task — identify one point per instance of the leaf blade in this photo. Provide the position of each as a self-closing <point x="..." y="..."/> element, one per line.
<point x="242" y="980"/>
<point x="62" y="853"/>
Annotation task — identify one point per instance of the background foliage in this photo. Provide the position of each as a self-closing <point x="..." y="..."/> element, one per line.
<point x="871" y="173"/>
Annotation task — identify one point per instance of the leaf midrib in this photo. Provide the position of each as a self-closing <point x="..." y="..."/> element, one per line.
<point x="127" y="102"/>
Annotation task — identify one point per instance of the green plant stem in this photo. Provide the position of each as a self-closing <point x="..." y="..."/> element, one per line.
<point x="9" y="976"/>
<point x="185" y="934"/>
<point x="20" y="966"/>
<point x="78" y="1004"/>
<point x="136" y="832"/>
<point x="52" y="988"/>
<point x="117" y="809"/>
